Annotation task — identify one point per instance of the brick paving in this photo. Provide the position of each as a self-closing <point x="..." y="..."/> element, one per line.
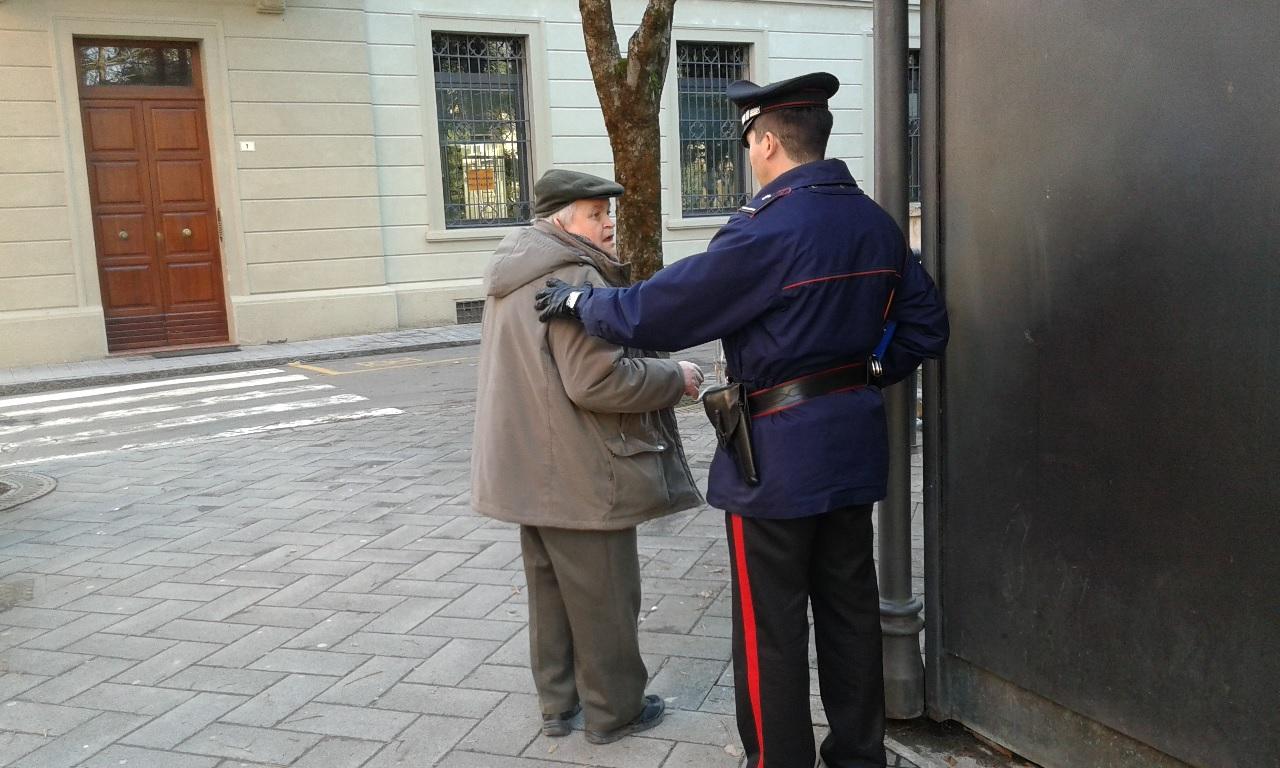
<point x="323" y="598"/>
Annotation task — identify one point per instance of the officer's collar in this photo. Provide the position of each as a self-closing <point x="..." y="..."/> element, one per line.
<point x="816" y="173"/>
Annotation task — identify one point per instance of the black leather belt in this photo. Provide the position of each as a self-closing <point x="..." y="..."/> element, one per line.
<point x="790" y="393"/>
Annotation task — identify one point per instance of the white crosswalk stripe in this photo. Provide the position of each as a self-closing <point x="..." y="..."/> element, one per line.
<point x="34" y="428"/>
<point x="126" y="399"/>
<point x="47" y="397"/>
<point x="146" y="410"/>
<point x="241" y="432"/>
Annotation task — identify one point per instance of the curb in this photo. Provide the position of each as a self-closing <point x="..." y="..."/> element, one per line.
<point x="43" y="385"/>
<point x="897" y="747"/>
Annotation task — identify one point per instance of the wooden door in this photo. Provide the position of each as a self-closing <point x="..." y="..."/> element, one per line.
<point x="151" y="188"/>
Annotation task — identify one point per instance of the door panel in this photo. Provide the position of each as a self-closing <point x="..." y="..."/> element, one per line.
<point x="119" y="182"/>
<point x="110" y="128"/>
<point x="189" y="283"/>
<point x="120" y="188"/>
<point x="180" y="181"/>
<point x="184" y="204"/>
<point x="130" y="286"/>
<point x="176" y="128"/>
<point x="186" y="233"/>
<point x="124" y="234"/>
<point x="155" y="218"/>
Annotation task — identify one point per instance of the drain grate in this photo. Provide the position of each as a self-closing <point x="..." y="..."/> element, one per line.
<point x="20" y="487"/>
<point x="469" y="311"/>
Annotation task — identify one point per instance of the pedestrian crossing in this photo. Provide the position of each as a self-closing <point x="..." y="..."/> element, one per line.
<point x="160" y="414"/>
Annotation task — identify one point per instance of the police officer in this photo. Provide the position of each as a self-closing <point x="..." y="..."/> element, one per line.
<point x="800" y="285"/>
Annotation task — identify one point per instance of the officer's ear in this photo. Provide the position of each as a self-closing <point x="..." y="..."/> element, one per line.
<point x="771" y="144"/>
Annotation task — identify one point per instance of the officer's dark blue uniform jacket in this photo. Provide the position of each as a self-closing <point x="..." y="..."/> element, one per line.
<point x="797" y="282"/>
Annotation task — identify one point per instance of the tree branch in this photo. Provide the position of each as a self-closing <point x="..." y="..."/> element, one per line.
<point x="650" y="45"/>
<point x="602" y="43"/>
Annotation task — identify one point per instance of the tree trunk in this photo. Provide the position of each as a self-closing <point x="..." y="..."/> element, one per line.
<point x="630" y="91"/>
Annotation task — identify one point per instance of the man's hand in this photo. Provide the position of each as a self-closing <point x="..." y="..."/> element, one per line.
<point x="692" y="377"/>
<point x="559" y="299"/>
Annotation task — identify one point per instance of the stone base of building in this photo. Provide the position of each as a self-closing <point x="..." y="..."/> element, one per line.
<point x="52" y="336"/>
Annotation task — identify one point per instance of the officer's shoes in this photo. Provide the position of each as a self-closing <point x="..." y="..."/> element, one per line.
<point x="561" y="724"/>
<point x="650" y="715"/>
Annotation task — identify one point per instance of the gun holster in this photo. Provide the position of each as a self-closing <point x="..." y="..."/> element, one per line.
<point x="726" y="407"/>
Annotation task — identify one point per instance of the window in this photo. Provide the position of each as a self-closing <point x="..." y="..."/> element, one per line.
<point x="101" y="64"/>
<point x="483" y="127"/>
<point x="913" y="126"/>
<point x="713" y="163"/>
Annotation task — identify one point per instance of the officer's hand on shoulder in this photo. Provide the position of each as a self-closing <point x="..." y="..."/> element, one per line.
<point x="560" y="299"/>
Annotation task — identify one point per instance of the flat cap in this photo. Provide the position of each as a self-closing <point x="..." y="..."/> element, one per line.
<point x="558" y="187"/>
<point x="811" y="90"/>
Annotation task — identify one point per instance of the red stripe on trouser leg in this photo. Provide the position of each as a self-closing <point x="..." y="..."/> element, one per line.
<point x="750" y="647"/>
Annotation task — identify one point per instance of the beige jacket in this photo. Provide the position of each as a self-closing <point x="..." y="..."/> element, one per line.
<point x="571" y="431"/>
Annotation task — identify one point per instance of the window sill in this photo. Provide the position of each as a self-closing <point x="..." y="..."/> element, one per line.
<point x="476" y="233"/>
<point x="699" y="222"/>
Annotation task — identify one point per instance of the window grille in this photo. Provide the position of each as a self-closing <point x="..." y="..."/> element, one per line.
<point x="913" y="125"/>
<point x="713" y="163"/>
<point x="102" y="64"/>
<point x="469" y="311"/>
<point x="484" y="128"/>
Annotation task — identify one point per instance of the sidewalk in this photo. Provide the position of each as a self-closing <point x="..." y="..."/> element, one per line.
<point x="138" y="367"/>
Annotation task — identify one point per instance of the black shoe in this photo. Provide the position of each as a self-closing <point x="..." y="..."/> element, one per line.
<point x="561" y="724"/>
<point x="650" y="715"/>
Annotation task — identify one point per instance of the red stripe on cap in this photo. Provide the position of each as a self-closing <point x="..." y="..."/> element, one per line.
<point x="790" y="104"/>
<point x="752" y="647"/>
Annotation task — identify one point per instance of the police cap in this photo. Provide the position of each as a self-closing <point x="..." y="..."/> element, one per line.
<point x="811" y="90"/>
<point x="559" y="187"/>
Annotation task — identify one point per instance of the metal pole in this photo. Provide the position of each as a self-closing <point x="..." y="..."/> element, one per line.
<point x="937" y="696"/>
<point x="899" y="609"/>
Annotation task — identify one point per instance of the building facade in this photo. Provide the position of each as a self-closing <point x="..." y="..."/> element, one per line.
<point x="248" y="171"/>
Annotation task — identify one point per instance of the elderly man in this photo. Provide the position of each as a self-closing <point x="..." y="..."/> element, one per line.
<point x="575" y="441"/>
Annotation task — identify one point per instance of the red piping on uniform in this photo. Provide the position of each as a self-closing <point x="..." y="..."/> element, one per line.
<point x="751" y="647"/>
<point x="840" y="277"/>
<point x="806" y="376"/>
<point x="789" y="406"/>
<point x="889" y="304"/>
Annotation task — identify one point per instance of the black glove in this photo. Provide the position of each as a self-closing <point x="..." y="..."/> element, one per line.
<point x="559" y="299"/>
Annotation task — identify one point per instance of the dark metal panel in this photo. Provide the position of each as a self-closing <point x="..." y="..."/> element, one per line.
<point x="1110" y="228"/>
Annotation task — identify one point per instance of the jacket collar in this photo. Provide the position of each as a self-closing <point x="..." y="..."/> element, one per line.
<point x="816" y="173"/>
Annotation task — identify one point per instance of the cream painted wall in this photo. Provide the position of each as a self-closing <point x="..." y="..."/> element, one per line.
<point x="36" y="270"/>
<point x="333" y="224"/>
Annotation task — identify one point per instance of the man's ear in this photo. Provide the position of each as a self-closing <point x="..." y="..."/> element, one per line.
<point x="771" y="144"/>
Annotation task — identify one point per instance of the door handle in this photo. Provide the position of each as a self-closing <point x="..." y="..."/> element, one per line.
<point x="160" y="238"/>
<point x="186" y="232"/>
<point x="123" y="235"/>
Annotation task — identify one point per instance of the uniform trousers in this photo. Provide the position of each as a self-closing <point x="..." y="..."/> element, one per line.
<point x="584" y="607"/>
<point x="779" y="567"/>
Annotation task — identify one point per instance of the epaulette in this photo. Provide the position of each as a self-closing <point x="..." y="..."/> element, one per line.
<point x="765" y="202"/>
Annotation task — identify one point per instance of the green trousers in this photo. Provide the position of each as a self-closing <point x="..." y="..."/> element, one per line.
<point x="584" y="607"/>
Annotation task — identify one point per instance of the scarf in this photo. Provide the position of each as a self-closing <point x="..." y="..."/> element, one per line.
<point x="616" y="273"/>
